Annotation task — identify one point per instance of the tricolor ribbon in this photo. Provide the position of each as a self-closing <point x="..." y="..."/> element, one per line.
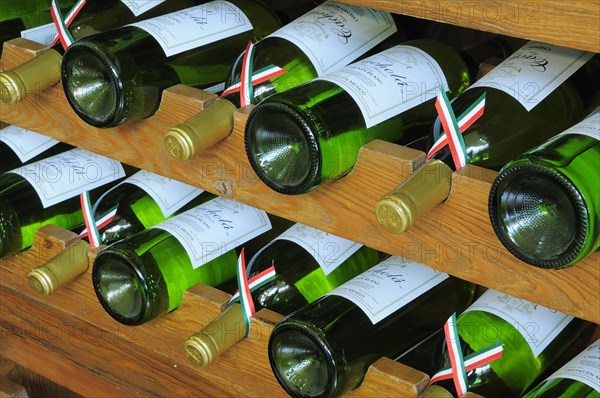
<point x="459" y="366"/>
<point x="62" y="24"/>
<point x="93" y="226"/>
<point x="453" y="128"/>
<point x="257" y="281"/>
<point x="244" y="288"/>
<point x="101" y="222"/>
<point x="250" y="78"/>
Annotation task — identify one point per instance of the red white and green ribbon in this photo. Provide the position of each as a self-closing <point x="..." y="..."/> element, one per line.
<point x="100" y="223"/>
<point x="93" y="226"/>
<point x="257" y="281"/>
<point x="250" y="78"/>
<point x="459" y="366"/>
<point x="245" y="297"/>
<point x="62" y="24"/>
<point x="453" y="128"/>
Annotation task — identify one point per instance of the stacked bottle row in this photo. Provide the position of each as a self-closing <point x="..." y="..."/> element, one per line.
<point x="297" y="138"/>
<point x="347" y="305"/>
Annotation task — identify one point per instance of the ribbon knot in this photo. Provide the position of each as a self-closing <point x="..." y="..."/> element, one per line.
<point x="93" y="226"/>
<point x="246" y="286"/>
<point x="454" y="128"/>
<point x="459" y="366"/>
<point x="62" y="24"/>
<point x="250" y="78"/>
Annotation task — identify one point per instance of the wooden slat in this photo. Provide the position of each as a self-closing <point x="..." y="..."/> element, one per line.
<point x="68" y="338"/>
<point x="456" y="237"/>
<point x="569" y="23"/>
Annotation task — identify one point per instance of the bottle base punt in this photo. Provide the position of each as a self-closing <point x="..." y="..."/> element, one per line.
<point x="538" y="215"/>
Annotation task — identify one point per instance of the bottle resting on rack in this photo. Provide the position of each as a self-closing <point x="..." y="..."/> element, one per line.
<point x="30" y="20"/>
<point x="47" y="192"/>
<point x="545" y="204"/>
<point x="529" y="97"/>
<point x="312" y="133"/>
<point x="19" y="146"/>
<point x="532" y="336"/>
<point x="579" y="378"/>
<point x="145" y="275"/>
<point x="325" y="38"/>
<point x="308" y="263"/>
<point x="118" y="76"/>
<point x="93" y="16"/>
<point x="139" y="202"/>
<point x="325" y="348"/>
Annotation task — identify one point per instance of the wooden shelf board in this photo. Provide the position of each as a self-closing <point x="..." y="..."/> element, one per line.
<point x="569" y="23"/>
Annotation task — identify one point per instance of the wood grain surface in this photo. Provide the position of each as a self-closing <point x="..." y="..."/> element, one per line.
<point x="569" y="23"/>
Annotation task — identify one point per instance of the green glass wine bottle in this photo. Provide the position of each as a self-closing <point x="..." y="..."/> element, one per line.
<point x="308" y="263"/>
<point x="532" y="337"/>
<point x="545" y="204"/>
<point x="325" y="348"/>
<point x="311" y="134"/>
<point x="118" y="76"/>
<point x="144" y="276"/>
<point x="93" y="16"/>
<point x="139" y="202"/>
<point x="529" y="97"/>
<point x="47" y="192"/>
<point x="579" y="378"/>
<point x="19" y="146"/>
<point x="324" y="39"/>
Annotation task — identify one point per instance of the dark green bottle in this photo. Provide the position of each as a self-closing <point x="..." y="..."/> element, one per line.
<point x="529" y="97"/>
<point x="311" y="134"/>
<point x="326" y="38"/>
<point x="118" y="76"/>
<point x="47" y="192"/>
<point x="308" y="263"/>
<point x="532" y="336"/>
<point x="19" y="147"/>
<point x="545" y="204"/>
<point x="144" y="200"/>
<point x="145" y="275"/>
<point x="141" y="201"/>
<point x="579" y="378"/>
<point x="94" y="16"/>
<point x="325" y="348"/>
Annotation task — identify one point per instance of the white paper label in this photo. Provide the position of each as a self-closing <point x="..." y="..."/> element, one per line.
<point x="43" y="34"/>
<point x="26" y="144"/>
<point x="537" y="324"/>
<point x="328" y="250"/>
<point x="534" y="71"/>
<point x="138" y="7"/>
<point x="69" y="174"/>
<point x="589" y="126"/>
<point x="389" y="286"/>
<point x="196" y="26"/>
<point x="391" y="82"/>
<point x="334" y="34"/>
<point x="215" y="227"/>
<point x="584" y="368"/>
<point x="170" y="195"/>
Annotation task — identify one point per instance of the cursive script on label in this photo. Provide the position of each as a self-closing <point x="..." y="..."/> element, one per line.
<point x="532" y="60"/>
<point x="340" y="29"/>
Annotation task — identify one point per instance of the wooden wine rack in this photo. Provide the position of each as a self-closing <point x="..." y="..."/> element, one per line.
<point x="68" y="338"/>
